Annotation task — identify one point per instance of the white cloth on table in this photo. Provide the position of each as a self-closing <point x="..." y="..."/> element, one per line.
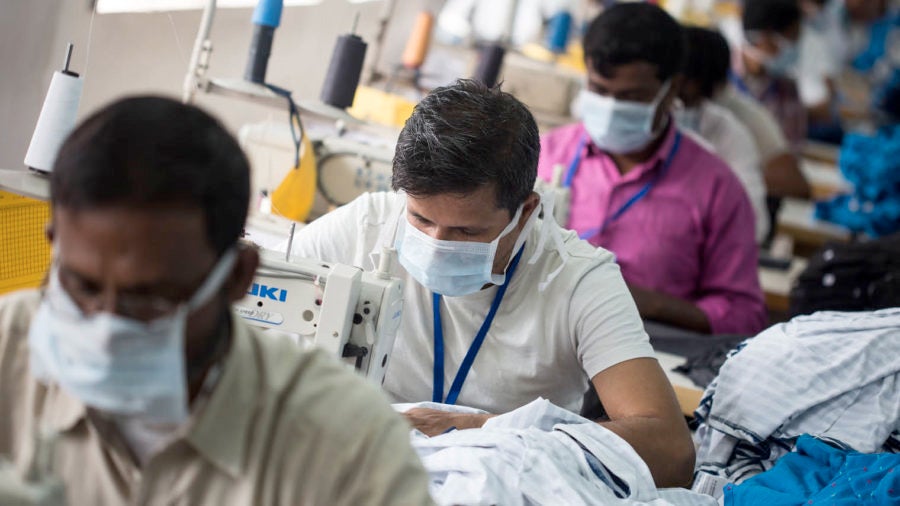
<point x="834" y="375"/>
<point x="541" y="454"/>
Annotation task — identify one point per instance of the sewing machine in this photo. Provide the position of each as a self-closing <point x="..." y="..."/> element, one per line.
<point x="353" y="315"/>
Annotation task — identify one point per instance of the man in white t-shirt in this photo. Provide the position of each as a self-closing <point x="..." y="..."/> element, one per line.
<point x="780" y="165"/>
<point x="716" y="125"/>
<point x="524" y="309"/>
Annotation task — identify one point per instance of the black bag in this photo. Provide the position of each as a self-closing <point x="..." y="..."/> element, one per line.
<point x="857" y="276"/>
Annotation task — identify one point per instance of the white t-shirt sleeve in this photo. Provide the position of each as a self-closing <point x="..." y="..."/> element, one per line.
<point x="606" y="324"/>
<point x="348" y="234"/>
<point x="817" y="64"/>
<point x="733" y="142"/>
<point x="770" y="139"/>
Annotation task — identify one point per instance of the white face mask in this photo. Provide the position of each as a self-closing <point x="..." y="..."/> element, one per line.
<point x="782" y="64"/>
<point x="116" y="364"/>
<point x="454" y="268"/>
<point x="689" y="118"/>
<point x="618" y="126"/>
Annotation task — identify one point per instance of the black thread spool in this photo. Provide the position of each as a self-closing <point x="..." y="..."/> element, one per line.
<point x="344" y="71"/>
<point x="490" y="60"/>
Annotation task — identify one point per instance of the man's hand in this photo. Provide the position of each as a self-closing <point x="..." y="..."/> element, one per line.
<point x="433" y="422"/>
<point x="668" y="309"/>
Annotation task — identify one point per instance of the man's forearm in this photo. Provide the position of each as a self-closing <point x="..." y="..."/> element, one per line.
<point x="665" y="308"/>
<point x="472" y="420"/>
<point x="784" y="178"/>
<point x="664" y="446"/>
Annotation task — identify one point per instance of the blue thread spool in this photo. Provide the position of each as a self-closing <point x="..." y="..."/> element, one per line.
<point x="558" y="30"/>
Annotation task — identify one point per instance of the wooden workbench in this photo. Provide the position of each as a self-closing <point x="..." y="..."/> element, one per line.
<point x="797" y="219"/>
<point x="686" y="391"/>
<point x="776" y="284"/>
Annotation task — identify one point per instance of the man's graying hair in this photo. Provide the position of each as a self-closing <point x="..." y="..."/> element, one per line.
<point x="152" y="151"/>
<point x="466" y="136"/>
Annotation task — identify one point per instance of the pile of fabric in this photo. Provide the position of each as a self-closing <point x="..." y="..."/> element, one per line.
<point x="819" y="473"/>
<point x="540" y="454"/>
<point x="831" y="375"/>
<point x="872" y="165"/>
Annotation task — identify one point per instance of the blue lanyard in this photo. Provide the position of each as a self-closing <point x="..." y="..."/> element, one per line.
<point x="741" y="85"/>
<point x="637" y="196"/>
<point x="438" y="390"/>
<point x="738" y="82"/>
<point x="576" y="161"/>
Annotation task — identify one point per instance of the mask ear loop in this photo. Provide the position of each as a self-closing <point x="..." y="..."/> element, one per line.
<point x="549" y="228"/>
<point x="499" y="279"/>
<point x="657" y="101"/>
<point x="388" y="237"/>
<point x="215" y="279"/>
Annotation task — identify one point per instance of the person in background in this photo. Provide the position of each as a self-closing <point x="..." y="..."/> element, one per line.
<point x="479" y="266"/>
<point x="781" y="166"/>
<point x="675" y="215"/>
<point x="866" y="24"/>
<point x="153" y="389"/>
<point x="767" y="64"/>
<point x="728" y="137"/>
<point x="820" y="64"/>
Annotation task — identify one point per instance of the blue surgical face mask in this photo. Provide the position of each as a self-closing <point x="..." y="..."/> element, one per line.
<point x="619" y="126"/>
<point x="115" y="364"/>
<point x="453" y="268"/>
<point x="784" y="64"/>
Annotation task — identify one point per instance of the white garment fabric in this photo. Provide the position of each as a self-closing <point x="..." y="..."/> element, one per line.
<point x="822" y="56"/>
<point x="541" y="454"/>
<point x="770" y="139"/>
<point x="734" y="143"/>
<point x="834" y="375"/>
<point x="541" y="343"/>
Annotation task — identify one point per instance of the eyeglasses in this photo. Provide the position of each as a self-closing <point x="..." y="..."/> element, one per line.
<point x="141" y="307"/>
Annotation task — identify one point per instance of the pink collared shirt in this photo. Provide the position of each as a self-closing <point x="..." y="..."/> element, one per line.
<point x="691" y="236"/>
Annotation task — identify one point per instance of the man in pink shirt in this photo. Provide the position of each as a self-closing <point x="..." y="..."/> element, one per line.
<point x="674" y="214"/>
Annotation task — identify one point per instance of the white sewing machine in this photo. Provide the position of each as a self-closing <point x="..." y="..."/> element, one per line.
<point x="352" y="314"/>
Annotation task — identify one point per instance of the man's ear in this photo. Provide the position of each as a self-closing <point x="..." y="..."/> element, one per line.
<point x="528" y="207"/>
<point x="49" y="232"/>
<point x="674" y="89"/>
<point x="668" y="101"/>
<point x="243" y="272"/>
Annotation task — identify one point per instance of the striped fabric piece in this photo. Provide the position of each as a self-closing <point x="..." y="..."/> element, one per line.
<point x="833" y="375"/>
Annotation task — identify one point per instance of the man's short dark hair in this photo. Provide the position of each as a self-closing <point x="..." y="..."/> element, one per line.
<point x="708" y="59"/>
<point x="635" y="32"/>
<point x="466" y="136"/>
<point x="152" y="151"/>
<point x="771" y="15"/>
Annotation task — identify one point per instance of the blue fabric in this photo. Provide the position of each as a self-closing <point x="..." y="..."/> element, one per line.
<point x="878" y="35"/>
<point x="886" y="98"/>
<point x="818" y="473"/>
<point x="872" y="164"/>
